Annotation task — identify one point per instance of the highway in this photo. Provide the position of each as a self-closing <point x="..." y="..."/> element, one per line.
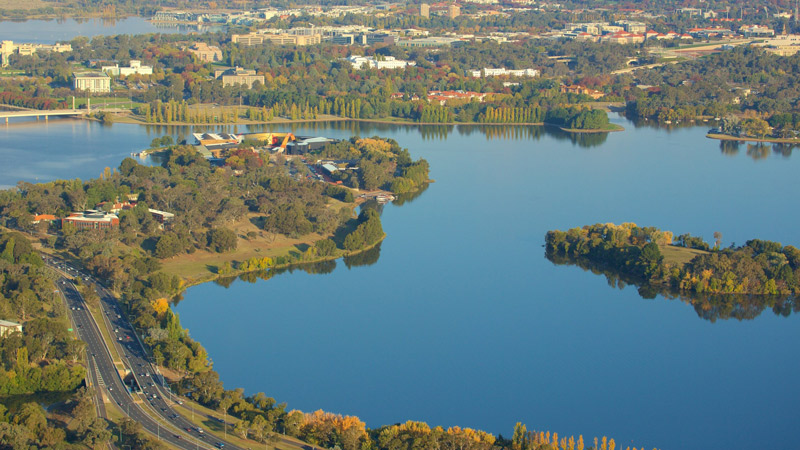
<point x="154" y="400"/>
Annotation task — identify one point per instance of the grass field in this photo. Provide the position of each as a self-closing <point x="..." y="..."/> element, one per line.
<point x="23" y="4"/>
<point x="202" y="265"/>
<point x="679" y="255"/>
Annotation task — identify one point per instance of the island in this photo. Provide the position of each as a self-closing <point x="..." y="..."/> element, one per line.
<point x="741" y="280"/>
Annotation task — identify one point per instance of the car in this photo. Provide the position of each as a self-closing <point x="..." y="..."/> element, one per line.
<point x="178" y="436"/>
<point x="188" y="429"/>
<point x="219" y="445"/>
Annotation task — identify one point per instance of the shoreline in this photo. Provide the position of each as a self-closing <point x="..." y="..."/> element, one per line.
<point x="236" y="272"/>
<point x="130" y="120"/>
<point x="728" y="137"/>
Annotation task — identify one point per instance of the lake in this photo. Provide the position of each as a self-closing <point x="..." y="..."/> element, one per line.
<point x="460" y="319"/>
<point x="57" y="30"/>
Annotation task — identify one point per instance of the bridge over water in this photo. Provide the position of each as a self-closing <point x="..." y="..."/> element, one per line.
<point x="42" y="113"/>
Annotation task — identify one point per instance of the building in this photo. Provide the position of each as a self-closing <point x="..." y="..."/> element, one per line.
<point x="581" y="90"/>
<point x="7" y="328"/>
<point x="424" y="10"/>
<point x="95" y="82"/>
<point x="277" y="39"/>
<point x="7" y="48"/>
<point x="443" y="97"/>
<point x="161" y="217"/>
<point x="428" y="42"/>
<point x="453" y="11"/>
<point x="387" y="62"/>
<point x="91" y="220"/>
<point x="38" y="218"/>
<point x="135" y="67"/>
<point x="622" y="37"/>
<point x="504" y="72"/>
<point x="303" y="145"/>
<point x="205" y="52"/>
<point x="633" y="27"/>
<point x="786" y="45"/>
<point x="237" y="75"/>
<point x="756" y="31"/>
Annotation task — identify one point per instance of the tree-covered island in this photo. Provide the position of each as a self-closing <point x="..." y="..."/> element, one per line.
<point x="734" y="281"/>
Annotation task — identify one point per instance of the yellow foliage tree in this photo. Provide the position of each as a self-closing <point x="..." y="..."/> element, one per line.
<point x="160" y="305"/>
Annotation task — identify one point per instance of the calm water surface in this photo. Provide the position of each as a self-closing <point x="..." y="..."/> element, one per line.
<point x="56" y="30"/>
<point x="462" y="321"/>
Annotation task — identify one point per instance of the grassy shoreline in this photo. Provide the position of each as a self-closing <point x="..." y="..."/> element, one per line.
<point x="211" y="276"/>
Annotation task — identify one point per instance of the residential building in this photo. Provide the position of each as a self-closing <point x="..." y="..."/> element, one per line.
<point x="424" y="10"/>
<point x="92" y="220"/>
<point x="95" y="82"/>
<point x="205" y="52"/>
<point x="453" y="11"/>
<point x="7" y="328"/>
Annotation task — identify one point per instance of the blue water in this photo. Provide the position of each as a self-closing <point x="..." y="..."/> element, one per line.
<point x="57" y="30"/>
<point x="462" y="321"/>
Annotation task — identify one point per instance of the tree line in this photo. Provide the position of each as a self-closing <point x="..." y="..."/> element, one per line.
<point x="756" y="268"/>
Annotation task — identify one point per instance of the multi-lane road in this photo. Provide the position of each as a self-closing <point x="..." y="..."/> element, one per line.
<point x="152" y="403"/>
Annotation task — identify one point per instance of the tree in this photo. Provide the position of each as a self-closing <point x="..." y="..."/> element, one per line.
<point x="222" y="240"/>
<point x="717" y="239"/>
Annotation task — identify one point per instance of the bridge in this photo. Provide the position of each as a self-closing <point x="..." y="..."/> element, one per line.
<point x="42" y="113"/>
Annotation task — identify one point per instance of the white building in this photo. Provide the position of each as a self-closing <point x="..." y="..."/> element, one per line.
<point x="504" y="72"/>
<point x="136" y="67"/>
<point x="92" y="82"/>
<point x="7" y="327"/>
<point x="386" y="62"/>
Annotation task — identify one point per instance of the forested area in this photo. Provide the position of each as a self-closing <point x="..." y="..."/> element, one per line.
<point x="381" y="164"/>
<point x="758" y="268"/>
<point x="743" y="80"/>
<point x="44" y="357"/>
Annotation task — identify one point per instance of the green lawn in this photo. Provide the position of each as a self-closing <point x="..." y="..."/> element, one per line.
<point x="679" y="255"/>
